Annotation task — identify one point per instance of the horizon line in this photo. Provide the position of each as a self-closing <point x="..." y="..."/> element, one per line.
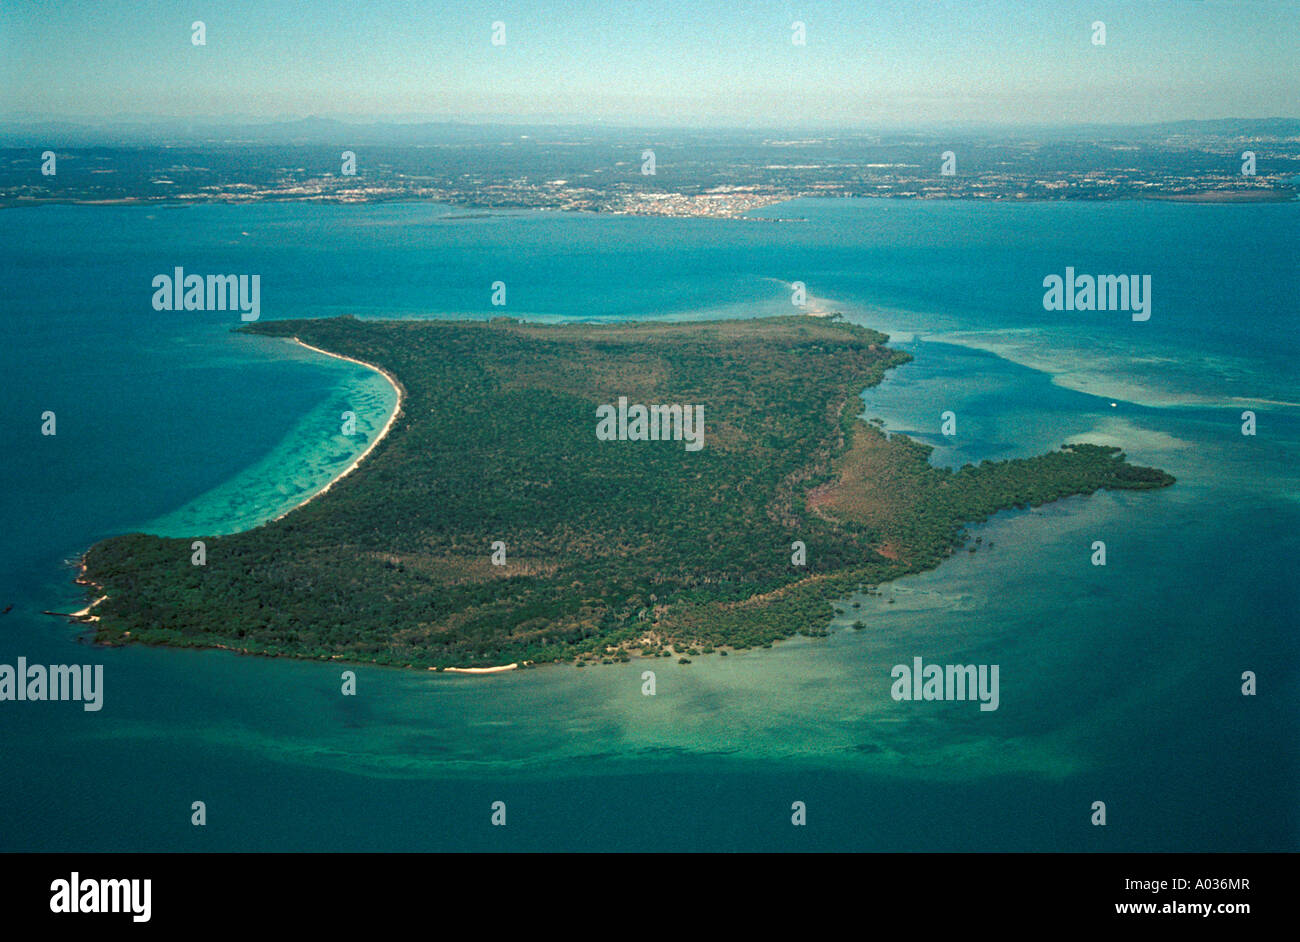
<point x="409" y="119"/>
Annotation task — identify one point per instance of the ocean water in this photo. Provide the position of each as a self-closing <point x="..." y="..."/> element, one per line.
<point x="1118" y="683"/>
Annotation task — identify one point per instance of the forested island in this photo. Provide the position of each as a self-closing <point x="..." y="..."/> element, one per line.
<point x="611" y="548"/>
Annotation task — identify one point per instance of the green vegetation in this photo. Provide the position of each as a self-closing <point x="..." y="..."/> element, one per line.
<point x="612" y="547"/>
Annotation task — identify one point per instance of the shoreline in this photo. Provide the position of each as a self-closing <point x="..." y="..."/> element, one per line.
<point x="84" y="617"/>
<point x="1211" y="196"/>
<point x="383" y="432"/>
<point x="84" y="614"/>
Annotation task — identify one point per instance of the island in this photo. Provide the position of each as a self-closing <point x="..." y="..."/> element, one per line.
<point x="495" y="525"/>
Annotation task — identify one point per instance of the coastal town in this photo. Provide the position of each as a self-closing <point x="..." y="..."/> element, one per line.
<point x="655" y="173"/>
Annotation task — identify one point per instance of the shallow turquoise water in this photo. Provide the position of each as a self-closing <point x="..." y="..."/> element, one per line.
<point x="1118" y="683"/>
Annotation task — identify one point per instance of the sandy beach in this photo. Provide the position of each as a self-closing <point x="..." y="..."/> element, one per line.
<point x="392" y="419"/>
<point x="479" y="670"/>
<point x="84" y="614"/>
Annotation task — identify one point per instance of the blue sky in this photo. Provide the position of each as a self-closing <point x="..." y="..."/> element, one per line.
<point x="633" y="61"/>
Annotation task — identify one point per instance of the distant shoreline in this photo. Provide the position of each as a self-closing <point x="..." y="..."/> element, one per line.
<point x="1221" y="196"/>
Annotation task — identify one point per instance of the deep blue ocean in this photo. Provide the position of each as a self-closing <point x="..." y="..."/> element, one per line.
<point x="1119" y="684"/>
